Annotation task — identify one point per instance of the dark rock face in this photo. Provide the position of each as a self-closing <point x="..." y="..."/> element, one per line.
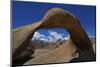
<point x="54" y="18"/>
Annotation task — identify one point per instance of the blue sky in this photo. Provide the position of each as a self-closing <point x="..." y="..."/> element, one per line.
<point x="24" y="13"/>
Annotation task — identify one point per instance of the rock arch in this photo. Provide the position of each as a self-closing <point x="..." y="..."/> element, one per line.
<point x="54" y="18"/>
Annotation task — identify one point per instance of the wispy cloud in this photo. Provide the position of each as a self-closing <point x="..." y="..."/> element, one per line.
<point x="66" y="38"/>
<point x="53" y="36"/>
<point x="40" y="36"/>
<point x="37" y="34"/>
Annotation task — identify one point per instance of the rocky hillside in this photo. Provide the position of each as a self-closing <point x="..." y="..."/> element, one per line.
<point x="38" y="44"/>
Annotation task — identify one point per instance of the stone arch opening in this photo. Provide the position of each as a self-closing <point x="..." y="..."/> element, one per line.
<point x="49" y="37"/>
<point x="55" y="18"/>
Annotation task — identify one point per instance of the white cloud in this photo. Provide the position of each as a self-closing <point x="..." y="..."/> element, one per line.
<point x="44" y="39"/>
<point x="50" y="38"/>
<point x="90" y="36"/>
<point x="53" y="36"/>
<point x="56" y="35"/>
<point x="38" y="35"/>
<point x="66" y="38"/>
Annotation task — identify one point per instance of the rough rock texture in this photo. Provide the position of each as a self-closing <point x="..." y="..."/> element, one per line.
<point x="55" y="18"/>
<point x="62" y="54"/>
<point x="21" y="39"/>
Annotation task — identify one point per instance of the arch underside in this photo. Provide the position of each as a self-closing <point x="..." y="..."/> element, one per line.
<point x="55" y="18"/>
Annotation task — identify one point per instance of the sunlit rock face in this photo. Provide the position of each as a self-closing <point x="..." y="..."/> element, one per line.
<point x="54" y="18"/>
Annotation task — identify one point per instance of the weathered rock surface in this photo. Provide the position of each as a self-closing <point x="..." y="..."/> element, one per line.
<point x="64" y="53"/>
<point x="21" y="39"/>
<point x="55" y="18"/>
